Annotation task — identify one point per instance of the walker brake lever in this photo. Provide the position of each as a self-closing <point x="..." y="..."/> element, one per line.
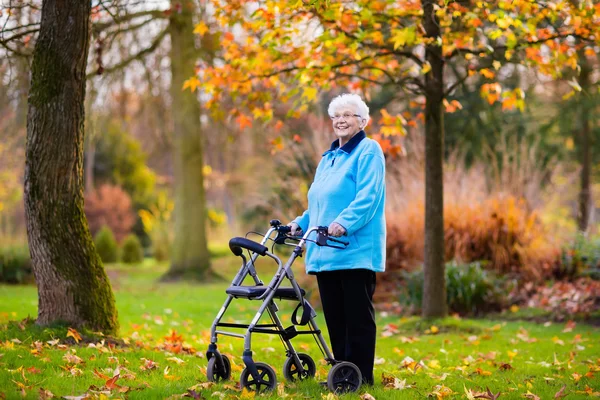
<point x="282" y="231"/>
<point x="323" y="237"/>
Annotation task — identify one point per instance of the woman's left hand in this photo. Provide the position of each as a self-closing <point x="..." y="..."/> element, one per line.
<point x="336" y="230"/>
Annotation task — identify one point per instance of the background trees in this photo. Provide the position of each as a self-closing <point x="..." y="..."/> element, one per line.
<point x="407" y="45"/>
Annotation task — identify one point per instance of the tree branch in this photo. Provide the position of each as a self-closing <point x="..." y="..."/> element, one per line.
<point x="153" y="46"/>
<point x="100" y="26"/>
<point x="526" y="43"/>
<point x="340" y="65"/>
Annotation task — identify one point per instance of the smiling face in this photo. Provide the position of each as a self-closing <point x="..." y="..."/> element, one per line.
<point x="348" y="124"/>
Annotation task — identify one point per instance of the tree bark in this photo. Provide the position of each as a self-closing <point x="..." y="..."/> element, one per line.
<point x="585" y="146"/>
<point x="72" y="285"/>
<point x="190" y="258"/>
<point x="434" y="287"/>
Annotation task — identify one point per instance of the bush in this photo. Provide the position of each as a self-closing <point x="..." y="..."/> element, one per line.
<point x="470" y="289"/>
<point x="499" y="230"/>
<point x="106" y="245"/>
<point x="581" y="258"/>
<point x="110" y="206"/>
<point x="132" y="251"/>
<point x="15" y="264"/>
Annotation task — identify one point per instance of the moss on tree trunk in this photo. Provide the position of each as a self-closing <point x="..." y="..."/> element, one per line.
<point x="190" y="258"/>
<point x="72" y="285"/>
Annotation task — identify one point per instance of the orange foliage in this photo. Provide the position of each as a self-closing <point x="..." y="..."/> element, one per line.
<point x="110" y="205"/>
<point x="500" y="230"/>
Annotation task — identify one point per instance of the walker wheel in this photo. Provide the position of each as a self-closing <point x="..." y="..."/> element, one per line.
<point x="267" y="380"/>
<point x="344" y="377"/>
<point x="291" y="371"/>
<point x="216" y="373"/>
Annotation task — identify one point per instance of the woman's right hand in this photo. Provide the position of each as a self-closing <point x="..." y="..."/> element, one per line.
<point x="295" y="229"/>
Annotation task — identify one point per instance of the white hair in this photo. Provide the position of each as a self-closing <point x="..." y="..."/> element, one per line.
<point x="348" y="99"/>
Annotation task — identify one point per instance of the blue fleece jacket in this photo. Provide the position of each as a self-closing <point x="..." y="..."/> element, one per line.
<point x="348" y="188"/>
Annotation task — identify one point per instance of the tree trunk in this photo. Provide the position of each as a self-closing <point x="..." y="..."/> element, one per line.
<point x="434" y="287"/>
<point x="585" y="146"/>
<point x="190" y="258"/>
<point x="72" y="285"/>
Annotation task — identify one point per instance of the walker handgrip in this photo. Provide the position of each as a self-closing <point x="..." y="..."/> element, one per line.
<point x="238" y="243"/>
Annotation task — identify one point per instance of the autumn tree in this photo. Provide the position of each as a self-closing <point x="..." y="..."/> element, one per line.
<point x="72" y="284"/>
<point x="287" y="50"/>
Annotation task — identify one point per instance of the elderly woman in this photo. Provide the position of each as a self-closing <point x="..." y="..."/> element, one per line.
<point x="348" y="195"/>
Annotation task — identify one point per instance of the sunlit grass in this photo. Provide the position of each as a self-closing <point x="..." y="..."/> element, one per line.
<point x="509" y="357"/>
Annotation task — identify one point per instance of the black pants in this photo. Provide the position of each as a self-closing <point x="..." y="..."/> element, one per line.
<point x="347" y="298"/>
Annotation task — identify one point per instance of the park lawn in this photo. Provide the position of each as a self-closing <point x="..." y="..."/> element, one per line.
<point x="444" y="358"/>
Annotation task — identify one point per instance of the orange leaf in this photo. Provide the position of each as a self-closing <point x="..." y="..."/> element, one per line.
<point x="101" y="375"/>
<point x="74" y="334"/>
<point x="111" y="383"/>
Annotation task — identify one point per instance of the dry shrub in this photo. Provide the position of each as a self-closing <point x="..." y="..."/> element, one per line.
<point x="111" y="206"/>
<point x="484" y="220"/>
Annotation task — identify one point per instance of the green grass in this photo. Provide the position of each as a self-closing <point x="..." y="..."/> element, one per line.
<point x="463" y="353"/>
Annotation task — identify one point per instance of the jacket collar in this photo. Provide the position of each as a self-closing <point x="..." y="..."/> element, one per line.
<point x="348" y="147"/>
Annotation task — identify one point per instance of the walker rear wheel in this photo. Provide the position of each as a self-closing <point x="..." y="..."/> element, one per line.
<point x="344" y="377"/>
<point x="214" y="373"/>
<point x="267" y="379"/>
<point x="291" y="371"/>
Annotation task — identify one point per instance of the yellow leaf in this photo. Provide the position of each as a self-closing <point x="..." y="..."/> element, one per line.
<point x="74" y="334"/>
<point x="246" y="394"/>
<point x="191" y="83"/>
<point x="426" y="68"/>
<point x="434" y="329"/>
<point x="201" y="28"/>
<point x="309" y="93"/>
<point x="558" y="341"/>
<point x="514" y="308"/>
<point x="435" y="364"/>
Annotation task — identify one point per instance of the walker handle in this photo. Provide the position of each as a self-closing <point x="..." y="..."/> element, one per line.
<point x="323" y="237"/>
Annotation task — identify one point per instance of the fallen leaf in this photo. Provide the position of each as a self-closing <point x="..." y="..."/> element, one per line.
<point x="74" y="334"/>
<point x="367" y="396"/>
<point x="72" y="359"/>
<point x="441" y="391"/>
<point x="112" y="383"/>
<point x="569" y="326"/>
<point x="193" y="394"/>
<point x="246" y="394"/>
<point x="561" y="393"/>
<point x="33" y="370"/>
<point x="44" y="394"/>
<point x="530" y="395"/>
<point x="379" y="361"/>
<point x="505" y="367"/>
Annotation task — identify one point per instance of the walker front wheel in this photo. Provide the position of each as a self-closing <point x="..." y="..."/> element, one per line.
<point x="291" y="371"/>
<point x="216" y="373"/>
<point x="344" y="377"/>
<point x="267" y="380"/>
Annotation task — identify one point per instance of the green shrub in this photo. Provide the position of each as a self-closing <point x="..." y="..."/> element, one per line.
<point x="582" y="258"/>
<point x="132" y="251"/>
<point x="106" y="245"/>
<point x="15" y="264"/>
<point x="470" y="289"/>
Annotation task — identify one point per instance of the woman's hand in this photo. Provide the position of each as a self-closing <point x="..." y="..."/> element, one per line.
<point x="295" y="229"/>
<point x="336" y="230"/>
